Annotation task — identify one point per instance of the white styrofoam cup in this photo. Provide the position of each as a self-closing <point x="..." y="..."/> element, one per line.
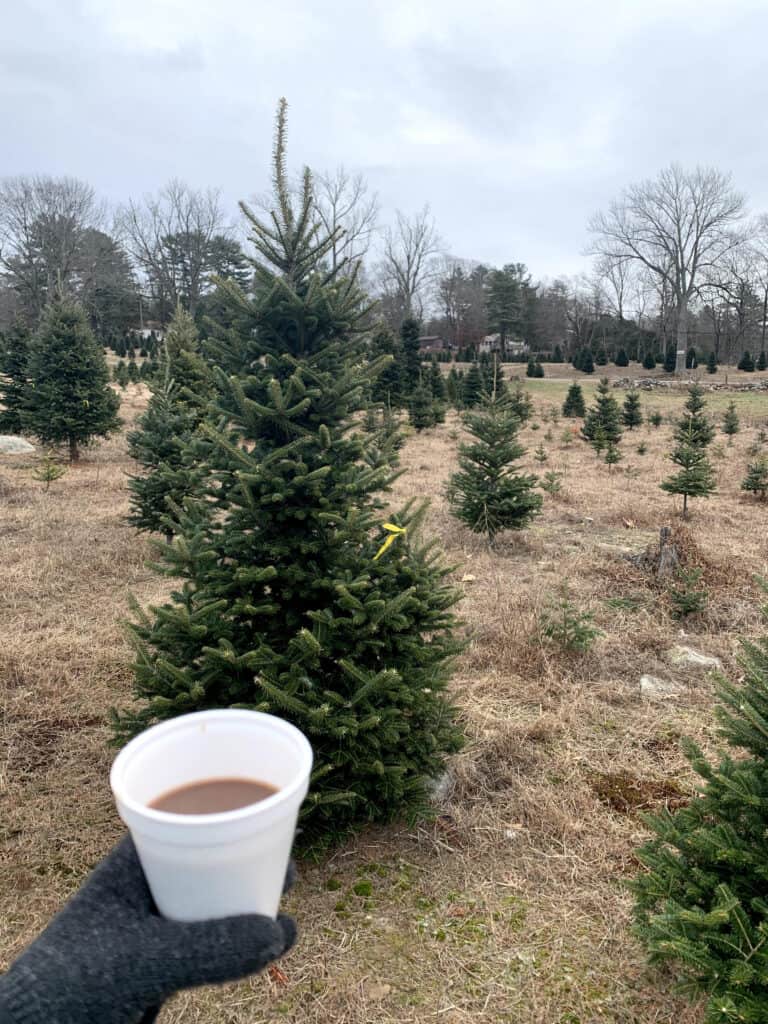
<point x="202" y="866"/>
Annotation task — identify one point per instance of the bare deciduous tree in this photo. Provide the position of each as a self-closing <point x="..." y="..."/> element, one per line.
<point x="678" y="226"/>
<point x="409" y="248"/>
<point x="348" y="212"/>
<point x="42" y="224"/>
<point x="170" y="238"/>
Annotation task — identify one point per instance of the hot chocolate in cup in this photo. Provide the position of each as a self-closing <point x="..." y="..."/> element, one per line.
<point x="201" y="866"/>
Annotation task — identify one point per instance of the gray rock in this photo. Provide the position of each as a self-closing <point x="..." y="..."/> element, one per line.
<point x="686" y="656"/>
<point x="657" y="689"/>
<point x="12" y="445"/>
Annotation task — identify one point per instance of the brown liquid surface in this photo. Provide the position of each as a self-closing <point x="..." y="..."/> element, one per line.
<point x="212" y="796"/>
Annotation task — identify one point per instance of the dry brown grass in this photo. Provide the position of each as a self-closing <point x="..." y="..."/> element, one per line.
<point x="509" y="906"/>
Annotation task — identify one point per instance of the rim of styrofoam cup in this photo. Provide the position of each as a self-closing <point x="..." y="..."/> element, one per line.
<point x="155" y="734"/>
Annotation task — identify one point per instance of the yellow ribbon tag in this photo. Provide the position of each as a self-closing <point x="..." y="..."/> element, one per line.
<point x="394" y="532"/>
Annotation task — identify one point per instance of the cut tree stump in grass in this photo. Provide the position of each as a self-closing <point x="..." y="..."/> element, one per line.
<point x="663" y="561"/>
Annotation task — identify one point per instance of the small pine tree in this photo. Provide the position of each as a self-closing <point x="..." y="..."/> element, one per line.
<point x="746" y="363"/>
<point x="162" y="445"/>
<point x="421" y="409"/>
<point x="711" y="363"/>
<point x="601" y="359"/>
<point x="540" y="454"/>
<point x="573" y="406"/>
<point x="486" y="494"/>
<point x="762" y="363"/>
<point x="69" y="400"/>
<point x="473" y="386"/>
<point x="695" y="418"/>
<point x="557" y="354"/>
<point x="756" y="479"/>
<point x="133" y="372"/>
<point x="587" y="362"/>
<point x="454" y="387"/>
<point x="48" y="470"/>
<point x="14" y="360"/>
<point x="519" y="400"/>
<point x="691" y="361"/>
<point x="696" y="478"/>
<point x="603" y="415"/>
<point x="531" y="369"/>
<point x="538" y="370"/>
<point x="655" y="418"/>
<point x="700" y="905"/>
<point x="631" y="413"/>
<point x="121" y="374"/>
<point x="649" y="362"/>
<point x="622" y="358"/>
<point x="437" y="382"/>
<point x="731" y="424"/>
<point x="612" y="455"/>
<point x="670" y="359"/>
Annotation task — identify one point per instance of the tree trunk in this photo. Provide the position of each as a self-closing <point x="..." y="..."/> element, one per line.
<point x="765" y="314"/>
<point x="74" y="451"/>
<point x="682" y="336"/>
<point x="685" y="506"/>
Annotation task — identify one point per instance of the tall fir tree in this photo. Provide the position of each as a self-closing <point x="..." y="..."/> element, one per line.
<point x="621" y="358"/>
<point x="437" y="382"/>
<point x="287" y="600"/>
<point x="701" y="904"/>
<point x="696" y="478"/>
<point x="388" y="386"/>
<point x="762" y="363"/>
<point x="670" y="359"/>
<point x="69" y="400"/>
<point x="711" y="363"/>
<point x="691" y="360"/>
<point x="603" y="416"/>
<point x="474" y="386"/>
<point x="14" y="381"/>
<point x="410" y="331"/>
<point x="631" y="413"/>
<point x="164" y="438"/>
<point x="649" y="361"/>
<point x="573" y="406"/>
<point x="746" y="363"/>
<point x="587" y="363"/>
<point x="486" y="494"/>
<point x="731" y="425"/>
<point x="454" y="387"/>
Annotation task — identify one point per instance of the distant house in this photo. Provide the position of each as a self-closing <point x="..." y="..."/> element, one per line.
<point x="512" y="346"/>
<point x="433" y="343"/>
<point x="150" y="327"/>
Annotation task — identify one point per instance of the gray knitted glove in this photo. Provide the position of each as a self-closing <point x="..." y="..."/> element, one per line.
<point x="108" y="957"/>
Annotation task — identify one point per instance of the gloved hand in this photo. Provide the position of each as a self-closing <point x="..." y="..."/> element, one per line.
<point x="109" y="958"/>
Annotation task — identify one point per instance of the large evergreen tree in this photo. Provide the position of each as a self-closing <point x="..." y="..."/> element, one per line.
<point x="287" y="600"/>
<point x="69" y="400"/>
<point x="486" y="494"/>
<point x="701" y="905"/>
<point x="14" y="359"/>
<point x="603" y="417"/>
<point x="573" y="406"/>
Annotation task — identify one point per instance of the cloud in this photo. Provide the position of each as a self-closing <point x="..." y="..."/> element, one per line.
<point x="514" y="120"/>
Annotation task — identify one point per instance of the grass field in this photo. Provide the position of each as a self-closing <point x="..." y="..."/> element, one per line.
<point x="510" y="906"/>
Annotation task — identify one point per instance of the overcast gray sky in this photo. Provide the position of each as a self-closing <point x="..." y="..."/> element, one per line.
<point x="514" y="119"/>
